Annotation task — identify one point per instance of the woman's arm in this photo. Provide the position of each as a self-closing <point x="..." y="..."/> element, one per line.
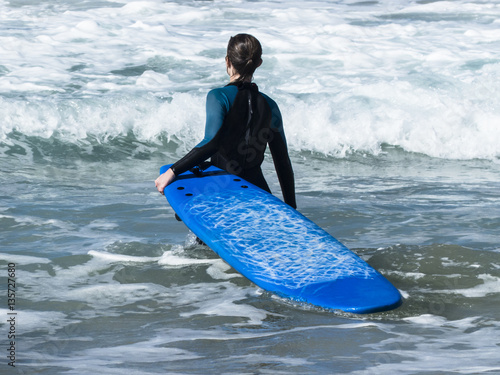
<point x="283" y="167"/>
<point x="216" y="109"/>
<point x="281" y="159"/>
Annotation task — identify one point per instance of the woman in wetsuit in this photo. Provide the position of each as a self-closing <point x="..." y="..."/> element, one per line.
<point x="240" y="123"/>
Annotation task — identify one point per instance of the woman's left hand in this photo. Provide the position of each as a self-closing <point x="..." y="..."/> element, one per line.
<point x="164" y="180"/>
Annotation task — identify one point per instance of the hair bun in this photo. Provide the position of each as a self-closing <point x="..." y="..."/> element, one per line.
<point x="244" y="52"/>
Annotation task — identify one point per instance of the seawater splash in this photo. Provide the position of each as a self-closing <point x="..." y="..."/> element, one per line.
<point x="348" y="76"/>
<point x="104" y="118"/>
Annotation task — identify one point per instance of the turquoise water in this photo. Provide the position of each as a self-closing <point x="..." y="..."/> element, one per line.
<point x="391" y="114"/>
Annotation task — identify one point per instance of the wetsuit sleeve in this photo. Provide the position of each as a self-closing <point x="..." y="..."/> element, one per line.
<point x="281" y="159"/>
<point x="216" y="109"/>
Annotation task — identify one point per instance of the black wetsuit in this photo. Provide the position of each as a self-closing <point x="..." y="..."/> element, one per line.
<point x="241" y="122"/>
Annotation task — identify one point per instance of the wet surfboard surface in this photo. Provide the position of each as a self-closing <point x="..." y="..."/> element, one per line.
<point x="275" y="246"/>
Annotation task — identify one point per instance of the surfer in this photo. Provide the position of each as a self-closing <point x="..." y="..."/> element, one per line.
<point x="240" y="123"/>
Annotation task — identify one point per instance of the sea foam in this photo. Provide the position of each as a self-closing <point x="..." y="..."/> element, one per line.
<point x="348" y="77"/>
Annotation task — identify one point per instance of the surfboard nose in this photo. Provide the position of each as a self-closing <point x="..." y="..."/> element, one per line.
<point x="354" y="295"/>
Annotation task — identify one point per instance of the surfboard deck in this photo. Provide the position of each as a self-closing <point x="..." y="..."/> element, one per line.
<point x="275" y="246"/>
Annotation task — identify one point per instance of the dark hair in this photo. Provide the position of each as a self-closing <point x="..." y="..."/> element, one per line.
<point x="244" y="52"/>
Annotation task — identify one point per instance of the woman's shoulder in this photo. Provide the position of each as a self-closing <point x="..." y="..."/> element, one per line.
<point x="270" y="100"/>
<point x="275" y="110"/>
<point x="229" y="90"/>
<point x="224" y="95"/>
<point x="277" y="121"/>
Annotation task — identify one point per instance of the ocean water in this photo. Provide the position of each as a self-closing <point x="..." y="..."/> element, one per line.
<point x="392" y="116"/>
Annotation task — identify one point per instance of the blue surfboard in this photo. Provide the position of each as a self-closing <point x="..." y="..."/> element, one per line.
<point x="275" y="246"/>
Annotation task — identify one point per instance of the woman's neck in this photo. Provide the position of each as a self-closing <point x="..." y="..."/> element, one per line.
<point x="236" y="77"/>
